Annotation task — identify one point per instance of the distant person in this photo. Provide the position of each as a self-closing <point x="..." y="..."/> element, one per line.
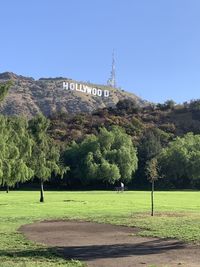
<point x="122" y="186"/>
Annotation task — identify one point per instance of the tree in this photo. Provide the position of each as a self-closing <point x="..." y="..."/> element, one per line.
<point x="24" y="143"/>
<point x="5" y="148"/>
<point x="15" y="151"/>
<point x="121" y="152"/>
<point x="149" y="147"/>
<point x="128" y="106"/>
<point x="194" y="105"/>
<point x="108" y="157"/>
<point x="152" y="174"/>
<point x="180" y="161"/>
<point x="4" y="87"/>
<point x="170" y="104"/>
<point x="45" y="154"/>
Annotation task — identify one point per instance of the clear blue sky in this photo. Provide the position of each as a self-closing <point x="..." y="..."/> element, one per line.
<point x="157" y="43"/>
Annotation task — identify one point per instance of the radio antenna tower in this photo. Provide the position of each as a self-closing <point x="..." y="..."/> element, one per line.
<point x="112" y="80"/>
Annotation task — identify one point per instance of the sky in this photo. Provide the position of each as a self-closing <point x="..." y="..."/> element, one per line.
<point x="156" y="43"/>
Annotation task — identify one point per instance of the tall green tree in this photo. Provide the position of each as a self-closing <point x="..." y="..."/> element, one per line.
<point x="5" y="148"/>
<point x="108" y="157"/>
<point x="4" y="87"/>
<point x="15" y="151"/>
<point x="175" y="160"/>
<point x="149" y="146"/>
<point x="180" y="161"/>
<point x="45" y="154"/>
<point x="21" y="138"/>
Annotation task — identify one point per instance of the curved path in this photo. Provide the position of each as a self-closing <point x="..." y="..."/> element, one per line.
<point x="105" y="245"/>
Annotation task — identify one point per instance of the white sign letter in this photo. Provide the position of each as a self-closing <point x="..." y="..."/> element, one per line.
<point x="88" y="89"/>
<point x="71" y="86"/>
<point x="99" y="92"/>
<point x="94" y="91"/>
<point x="77" y="89"/>
<point x="65" y="85"/>
<point x="106" y="93"/>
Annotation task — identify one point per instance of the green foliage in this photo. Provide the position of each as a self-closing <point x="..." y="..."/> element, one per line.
<point x="45" y="154"/>
<point x="128" y="106"/>
<point x="180" y="161"/>
<point x="15" y="151"/>
<point x="170" y="104"/>
<point x="194" y="105"/>
<point x="108" y="157"/>
<point x="4" y="87"/>
<point x="148" y="147"/>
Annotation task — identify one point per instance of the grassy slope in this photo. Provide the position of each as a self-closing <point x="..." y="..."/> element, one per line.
<point x="177" y="216"/>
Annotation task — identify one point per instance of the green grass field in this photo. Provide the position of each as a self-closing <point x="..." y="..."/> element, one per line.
<point x="176" y="215"/>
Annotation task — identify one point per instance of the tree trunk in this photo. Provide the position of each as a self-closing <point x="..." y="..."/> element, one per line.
<point x="7" y="188"/>
<point x="152" y="198"/>
<point x="41" y="191"/>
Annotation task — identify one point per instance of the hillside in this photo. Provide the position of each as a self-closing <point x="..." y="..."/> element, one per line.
<point x="168" y="121"/>
<point x="28" y="96"/>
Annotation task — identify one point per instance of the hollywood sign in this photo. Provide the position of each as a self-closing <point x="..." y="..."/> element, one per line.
<point x="85" y="89"/>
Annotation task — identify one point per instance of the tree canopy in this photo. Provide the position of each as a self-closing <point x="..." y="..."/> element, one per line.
<point x="180" y="161"/>
<point x="108" y="157"/>
<point x="45" y="158"/>
<point x="15" y="151"/>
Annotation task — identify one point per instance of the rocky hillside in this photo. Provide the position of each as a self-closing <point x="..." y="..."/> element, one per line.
<point x="47" y="95"/>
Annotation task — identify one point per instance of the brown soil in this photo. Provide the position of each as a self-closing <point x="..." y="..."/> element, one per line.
<point x="104" y="245"/>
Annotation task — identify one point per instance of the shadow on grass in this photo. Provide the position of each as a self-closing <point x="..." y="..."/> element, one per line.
<point x="93" y="252"/>
<point x="48" y="253"/>
<point x="72" y="200"/>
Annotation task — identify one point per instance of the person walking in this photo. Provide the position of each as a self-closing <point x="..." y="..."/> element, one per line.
<point x="122" y="186"/>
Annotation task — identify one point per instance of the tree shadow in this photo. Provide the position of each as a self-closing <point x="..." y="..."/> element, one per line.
<point x="92" y="252"/>
<point x="30" y="253"/>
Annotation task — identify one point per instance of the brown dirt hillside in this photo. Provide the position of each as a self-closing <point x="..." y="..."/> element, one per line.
<point x="28" y="97"/>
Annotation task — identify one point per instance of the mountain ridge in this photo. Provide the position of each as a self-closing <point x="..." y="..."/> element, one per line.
<point x="28" y="96"/>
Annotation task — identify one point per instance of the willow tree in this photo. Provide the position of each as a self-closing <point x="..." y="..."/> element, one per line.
<point x="4" y="150"/>
<point x="15" y="151"/>
<point x="45" y="154"/>
<point x="109" y="157"/>
<point x="8" y="154"/>
<point x="15" y="147"/>
<point x="180" y="161"/>
<point x="4" y="87"/>
<point x="21" y="139"/>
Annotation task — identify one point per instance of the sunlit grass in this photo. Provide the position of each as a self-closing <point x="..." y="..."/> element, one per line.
<point x="176" y="215"/>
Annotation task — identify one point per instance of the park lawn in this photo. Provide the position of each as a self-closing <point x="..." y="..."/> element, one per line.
<point x="176" y="215"/>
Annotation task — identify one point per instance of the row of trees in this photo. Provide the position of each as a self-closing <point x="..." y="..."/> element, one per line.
<point x="109" y="156"/>
<point x="26" y="151"/>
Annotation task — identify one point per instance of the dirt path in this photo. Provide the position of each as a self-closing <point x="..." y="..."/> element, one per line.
<point x="104" y="245"/>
